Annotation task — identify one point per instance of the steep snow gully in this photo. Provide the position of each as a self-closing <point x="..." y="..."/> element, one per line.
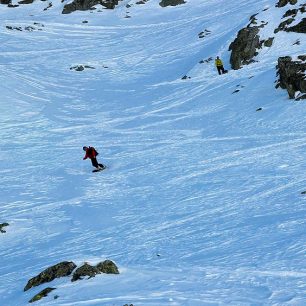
<point x="202" y="202"/>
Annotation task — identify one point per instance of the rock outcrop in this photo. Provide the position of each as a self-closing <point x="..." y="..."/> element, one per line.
<point x="41" y="294"/>
<point x="282" y="3"/>
<point x="84" y="5"/>
<point x="165" y="3"/>
<point x="244" y="47"/>
<point x="292" y="76"/>
<point x="86" y="269"/>
<point x="61" y="269"/>
<point x="299" y="28"/>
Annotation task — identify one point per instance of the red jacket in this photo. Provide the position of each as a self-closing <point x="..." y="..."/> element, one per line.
<point x="90" y="153"/>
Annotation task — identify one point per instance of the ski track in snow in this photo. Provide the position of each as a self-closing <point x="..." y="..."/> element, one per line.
<point x="201" y="202"/>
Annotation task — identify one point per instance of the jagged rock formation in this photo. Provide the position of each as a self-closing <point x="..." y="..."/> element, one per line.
<point x="282" y="3"/>
<point x="2" y="225"/>
<point x="292" y="76"/>
<point x="106" y="266"/>
<point x="244" y="47"/>
<point x="61" y="269"/>
<point x="84" y="5"/>
<point x="41" y="294"/>
<point x="165" y="3"/>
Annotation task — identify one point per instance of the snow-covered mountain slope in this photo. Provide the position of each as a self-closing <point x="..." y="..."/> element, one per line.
<point x="201" y="202"/>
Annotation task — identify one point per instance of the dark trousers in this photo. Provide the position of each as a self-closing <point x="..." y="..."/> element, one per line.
<point x="95" y="163"/>
<point x="220" y="69"/>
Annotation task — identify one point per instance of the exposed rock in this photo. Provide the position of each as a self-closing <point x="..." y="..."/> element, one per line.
<point x="235" y="91"/>
<point x="269" y="42"/>
<point x="303" y="192"/>
<point x="258" y="109"/>
<point x="81" y="67"/>
<point x="299" y="28"/>
<point x="244" y="47"/>
<point x="282" y="3"/>
<point x="84" y="5"/>
<point x="2" y="225"/>
<point x="292" y="76"/>
<point x="292" y="12"/>
<point x="41" y="294"/>
<point x="6" y="2"/>
<point x="26" y="2"/>
<point x="85" y="270"/>
<point x="61" y="269"/>
<point x="164" y="3"/>
<point x="108" y="267"/>
<point x="283" y="25"/>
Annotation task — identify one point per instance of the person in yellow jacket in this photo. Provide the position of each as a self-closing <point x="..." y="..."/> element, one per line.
<point x="219" y="65"/>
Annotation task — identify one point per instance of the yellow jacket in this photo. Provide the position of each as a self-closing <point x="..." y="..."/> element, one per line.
<point x="218" y="62"/>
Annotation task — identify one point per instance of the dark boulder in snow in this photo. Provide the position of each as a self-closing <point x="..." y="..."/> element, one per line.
<point x="2" y="225"/>
<point x="85" y="270"/>
<point x="41" y="294"/>
<point x="84" y="5"/>
<point x="61" y="269"/>
<point x="244" y="47"/>
<point x="292" y="76"/>
<point x="106" y="266"/>
<point x="165" y="3"/>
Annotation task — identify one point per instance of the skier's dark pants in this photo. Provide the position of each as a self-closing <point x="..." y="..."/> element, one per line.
<point x="220" y="69"/>
<point x="94" y="162"/>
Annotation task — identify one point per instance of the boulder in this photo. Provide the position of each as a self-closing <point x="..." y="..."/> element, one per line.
<point x="41" y="294"/>
<point x="268" y="43"/>
<point x="292" y="76"/>
<point x="61" y="269"/>
<point x="85" y="270"/>
<point x="2" y="225"/>
<point x="84" y="5"/>
<point x="164" y="3"/>
<point x="6" y="2"/>
<point x="108" y="267"/>
<point x="244" y="47"/>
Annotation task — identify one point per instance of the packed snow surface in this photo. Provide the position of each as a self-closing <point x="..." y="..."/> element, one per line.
<point x="201" y="202"/>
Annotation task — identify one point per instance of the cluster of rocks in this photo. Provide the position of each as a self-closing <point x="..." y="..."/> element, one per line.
<point x="292" y="76"/>
<point x="164" y="3"/>
<point x="291" y="15"/>
<point x="2" y="225"/>
<point x="36" y="27"/>
<point x="84" y="5"/>
<point x="64" y="269"/>
<point x="81" y="67"/>
<point x="282" y="3"/>
<point x="208" y="60"/>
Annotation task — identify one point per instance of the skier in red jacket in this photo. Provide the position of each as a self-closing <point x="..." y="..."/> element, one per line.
<point x="92" y="154"/>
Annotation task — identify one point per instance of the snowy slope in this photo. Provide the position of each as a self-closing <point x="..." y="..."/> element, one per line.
<point x="201" y="203"/>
